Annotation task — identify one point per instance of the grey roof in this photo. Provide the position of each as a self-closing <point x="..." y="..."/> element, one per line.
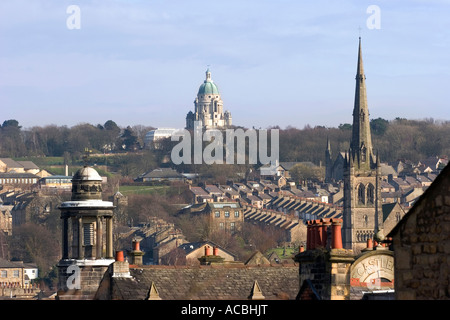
<point x="17" y="175"/>
<point x="232" y="281"/>
<point x="191" y="246"/>
<point x="10" y="264"/>
<point x="28" y="164"/>
<point x="10" y="163"/>
<point x="162" y="173"/>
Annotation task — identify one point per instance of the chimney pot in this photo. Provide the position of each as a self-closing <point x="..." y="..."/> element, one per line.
<point x="216" y="251"/>
<point x="369" y="244"/>
<point x="119" y="256"/>
<point x="319" y="233"/>
<point x="336" y="239"/>
<point x="136" y="245"/>
<point x="207" y="250"/>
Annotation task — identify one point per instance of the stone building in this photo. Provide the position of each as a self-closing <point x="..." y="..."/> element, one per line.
<point x="210" y="281"/>
<point x="330" y="272"/>
<point x="221" y="216"/>
<point x="208" y="107"/>
<point x="362" y="215"/>
<point x="195" y="250"/>
<point x="5" y="218"/>
<point x="421" y="242"/>
<point x="87" y="237"/>
<point x="15" y="279"/>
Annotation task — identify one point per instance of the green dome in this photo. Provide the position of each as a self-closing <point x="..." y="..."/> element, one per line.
<point x="208" y="87"/>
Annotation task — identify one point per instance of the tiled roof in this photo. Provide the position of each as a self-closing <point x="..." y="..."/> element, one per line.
<point x="213" y="282"/>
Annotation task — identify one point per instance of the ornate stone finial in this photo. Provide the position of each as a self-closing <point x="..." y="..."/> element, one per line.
<point x="256" y="293"/>
<point x="153" y="293"/>
<point x="379" y="236"/>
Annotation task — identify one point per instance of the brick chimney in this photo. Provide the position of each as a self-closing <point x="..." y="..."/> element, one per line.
<point x="209" y="258"/>
<point x="317" y="234"/>
<point x="120" y="268"/>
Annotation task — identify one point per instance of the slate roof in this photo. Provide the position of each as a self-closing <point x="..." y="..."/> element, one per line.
<point x="162" y="173"/>
<point x="213" y="282"/>
<point x="191" y="246"/>
<point x="10" y="163"/>
<point x="28" y="165"/>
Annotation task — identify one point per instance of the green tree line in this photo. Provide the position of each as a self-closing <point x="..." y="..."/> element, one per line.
<point x="55" y="141"/>
<point x="392" y="139"/>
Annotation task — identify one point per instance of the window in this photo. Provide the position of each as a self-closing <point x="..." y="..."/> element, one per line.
<point x="232" y="226"/>
<point x="227" y="214"/>
<point x="217" y="214"/>
<point x="221" y="226"/>
<point x="361" y="194"/>
<point x="370" y="193"/>
<point x="15" y="273"/>
<point x="236" y="214"/>
<point x="88" y="234"/>
<point x="4" y="274"/>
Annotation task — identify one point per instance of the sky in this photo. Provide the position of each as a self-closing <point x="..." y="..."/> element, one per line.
<point x="285" y="62"/>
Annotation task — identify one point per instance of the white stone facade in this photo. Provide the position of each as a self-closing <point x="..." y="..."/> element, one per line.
<point x="209" y="107"/>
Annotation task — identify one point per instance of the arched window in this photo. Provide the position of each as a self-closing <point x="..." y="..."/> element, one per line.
<point x="361" y="194"/>
<point x="370" y="194"/>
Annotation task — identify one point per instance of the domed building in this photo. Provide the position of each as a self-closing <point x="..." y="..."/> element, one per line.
<point x="208" y="107"/>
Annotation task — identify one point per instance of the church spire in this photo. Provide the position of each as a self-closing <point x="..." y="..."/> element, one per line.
<point x="361" y="144"/>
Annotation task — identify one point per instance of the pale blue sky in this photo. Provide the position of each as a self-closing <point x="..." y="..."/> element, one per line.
<point x="287" y="62"/>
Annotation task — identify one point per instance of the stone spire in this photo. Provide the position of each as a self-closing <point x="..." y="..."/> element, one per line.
<point x="328" y="163"/>
<point x="361" y="144"/>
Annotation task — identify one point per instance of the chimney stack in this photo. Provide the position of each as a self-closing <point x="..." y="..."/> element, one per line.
<point x="120" y="268"/>
<point x="336" y="235"/>
<point x="317" y="233"/>
<point x="136" y="254"/>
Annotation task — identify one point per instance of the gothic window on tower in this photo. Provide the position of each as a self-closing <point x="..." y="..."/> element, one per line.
<point x="363" y="154"/>
<point x="370" y="194"/>
<point x="361" y="194"/>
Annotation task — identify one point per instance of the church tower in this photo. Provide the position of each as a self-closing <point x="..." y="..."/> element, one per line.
<point x="87" y="237"/>
<point x="209" y="107"/>
<point x="362" y="215"/>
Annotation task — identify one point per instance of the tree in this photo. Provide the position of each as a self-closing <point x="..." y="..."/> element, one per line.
<point x="345" y="126"/>
<point x="129" y="139"/>
<point x="378" y="126"/>
<point x="11" y="140"/>
<point x="35" y="243"/>
<point x="11" y="123"/>
<point x="302" y="172"/>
